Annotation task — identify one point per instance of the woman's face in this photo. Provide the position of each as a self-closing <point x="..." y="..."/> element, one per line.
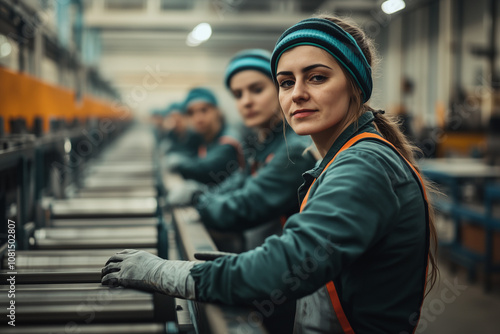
<point x="313" y="91"/>
<point x="256" y="97"/>
<point x="204" y="117"/>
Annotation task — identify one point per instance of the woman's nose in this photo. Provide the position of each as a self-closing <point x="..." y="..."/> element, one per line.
<point x="299" y="92"/>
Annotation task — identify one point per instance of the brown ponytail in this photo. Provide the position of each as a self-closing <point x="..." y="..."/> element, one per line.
<point x="389" y="128"/>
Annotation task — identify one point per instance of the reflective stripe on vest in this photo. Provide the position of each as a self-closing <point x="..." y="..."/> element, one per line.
<point x="344" y="322"/>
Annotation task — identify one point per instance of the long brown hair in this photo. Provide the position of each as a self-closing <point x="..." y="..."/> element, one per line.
<point x="388" y="127"/>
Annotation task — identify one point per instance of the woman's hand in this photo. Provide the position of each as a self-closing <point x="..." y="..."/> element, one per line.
<point x="142" y="270"/>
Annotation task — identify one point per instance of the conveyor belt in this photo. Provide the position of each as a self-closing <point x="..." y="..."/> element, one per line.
<point x="113" y="192"/>
<point x="135" y="168"/>
<point x="58" y="282"/>
<point x="84" y="232"/>
<point x="60" y="303"/>
<point x="50" y="259"/>
<point x="193" y="237"/>
<point x="50" y="276"/>
<point x="116" y="168"/>
<point x="132" y="173"/>
<point x="55" y="266"/>
<point x="103" y="222"/>
<point x="119" y="191"/>
<point x="110" y="207"/>
<point x="151" y="328"/>
<point x="127" y="157"/>
<point x="118" y="182"/>
<point x="96" y="238"/>
<point x="143" y="242"/>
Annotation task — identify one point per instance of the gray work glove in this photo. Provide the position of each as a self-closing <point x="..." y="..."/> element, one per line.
<point x="184" y="195"/>
<point x="142" y="270"/>
<point x="173" y="160"/>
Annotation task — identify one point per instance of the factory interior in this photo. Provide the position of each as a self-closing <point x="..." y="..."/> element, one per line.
<point x="93" y="94"/>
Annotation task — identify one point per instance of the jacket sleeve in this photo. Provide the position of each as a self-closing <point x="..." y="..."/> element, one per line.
<point x="268" y="194"/>
<point x="215" y="167"/>
<point x="186" y="145"/>
<point x="233" y="182"/>
<point x="353" y="206"/>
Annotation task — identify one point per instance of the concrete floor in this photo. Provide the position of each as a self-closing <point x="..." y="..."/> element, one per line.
<point x="457" y="306"/>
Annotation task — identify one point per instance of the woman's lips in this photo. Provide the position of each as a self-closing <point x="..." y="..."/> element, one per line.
<point x="251" y="114"/>
<point x="303" y="113"/>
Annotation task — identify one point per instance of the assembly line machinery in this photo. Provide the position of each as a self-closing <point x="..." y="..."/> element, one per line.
<point x="71" y="217"/>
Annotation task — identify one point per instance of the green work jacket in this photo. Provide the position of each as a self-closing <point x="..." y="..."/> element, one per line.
<point x="216" y="160"/>
<point x="186" y="144"/>
<point x="364" y="228"/>
<point x="265" y="190"/>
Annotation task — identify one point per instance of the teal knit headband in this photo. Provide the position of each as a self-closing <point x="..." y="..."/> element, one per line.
<point x="252" y="59"/>
<point x="199" y="94"/>
<point x="330" y="37"/>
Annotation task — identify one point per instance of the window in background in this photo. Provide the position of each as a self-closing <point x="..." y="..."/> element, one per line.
<point x="177" y="4"/>
<point x="125" y="4"/>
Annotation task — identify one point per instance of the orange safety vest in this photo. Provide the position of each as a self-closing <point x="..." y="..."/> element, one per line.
<point x="344" y="322"/>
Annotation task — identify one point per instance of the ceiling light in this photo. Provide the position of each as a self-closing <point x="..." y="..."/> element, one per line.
<point x="201" y="33"/>
<point x="392" y="6"/>
<point x="191" y="41"/>
<point x="5" y="47"/>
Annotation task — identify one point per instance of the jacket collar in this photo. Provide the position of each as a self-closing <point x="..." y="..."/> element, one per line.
<point x="364" y="124"/>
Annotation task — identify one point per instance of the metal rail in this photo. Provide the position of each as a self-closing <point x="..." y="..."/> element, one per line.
<point x="192" y="237"/>
<point x="111" y="207"/>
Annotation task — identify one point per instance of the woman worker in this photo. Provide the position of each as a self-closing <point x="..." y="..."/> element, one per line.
<point x="357" y="256"/>
<point x="178" y="136"/>
<point x="220" y="152"/>
<point x="267" y="189"/>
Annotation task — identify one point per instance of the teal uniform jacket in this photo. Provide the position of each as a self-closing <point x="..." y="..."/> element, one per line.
<point x="215" y="161"/>
<point x="266" y="190"/>
<point x="364" y="228"/>
<point x="186" y="144"/>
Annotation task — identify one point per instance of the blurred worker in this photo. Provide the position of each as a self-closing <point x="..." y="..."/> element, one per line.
<point x="267" y="189"/>
<point x="178" y="135"/>
<point x="402" y="111"/>
<point x="357" y="255"/>
<point x="220" y="152"/>
<point x="156" y="123"/>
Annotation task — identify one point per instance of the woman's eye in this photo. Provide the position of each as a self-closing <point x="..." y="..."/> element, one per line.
<point x="318" y="78"/>
<point x="237" y="95"/>
<point x="257" y="90"/>
<point x="286" y="83"/>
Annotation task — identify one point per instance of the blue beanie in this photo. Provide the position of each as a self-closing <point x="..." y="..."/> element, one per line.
<point x="173" y="107"/>
<point x="251" y="59"/>
<point x="330" y="37"/>
<point x="199" y="94"/>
